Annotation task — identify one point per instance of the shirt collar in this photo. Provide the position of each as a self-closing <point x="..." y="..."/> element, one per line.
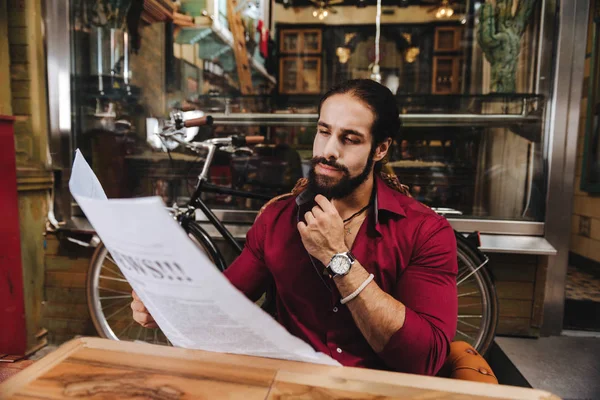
<point x="385" y="199"/>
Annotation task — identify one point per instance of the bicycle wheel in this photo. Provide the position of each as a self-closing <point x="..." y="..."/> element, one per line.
<point x="477" y="300"/>
<point x="109" y="294"/>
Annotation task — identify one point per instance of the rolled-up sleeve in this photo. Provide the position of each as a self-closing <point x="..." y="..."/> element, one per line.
<point x="427" y="288"/>
<point x="249" y="273"/>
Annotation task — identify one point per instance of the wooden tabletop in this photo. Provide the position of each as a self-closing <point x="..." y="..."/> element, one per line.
<point x="105" y="369"/>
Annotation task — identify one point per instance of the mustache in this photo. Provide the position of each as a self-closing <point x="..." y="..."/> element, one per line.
<point x="332" y="163"/>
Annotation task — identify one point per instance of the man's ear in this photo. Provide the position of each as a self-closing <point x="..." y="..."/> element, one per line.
<point x="382" y="149"/>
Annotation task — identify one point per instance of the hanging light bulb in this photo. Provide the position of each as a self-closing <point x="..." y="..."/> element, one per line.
<point x="325" y="13"/>
<point x="375" y="73"/>
<point x="321" y="16"/>
<point x="449" y="12"/>
<point x="315" y="13"/>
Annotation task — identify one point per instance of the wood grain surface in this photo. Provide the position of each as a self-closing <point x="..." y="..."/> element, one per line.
<point x="104" y="369"/>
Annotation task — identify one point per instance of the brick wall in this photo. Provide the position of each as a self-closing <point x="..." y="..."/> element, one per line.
<point x="27" y="80"/>
<point x="585" y="228"/>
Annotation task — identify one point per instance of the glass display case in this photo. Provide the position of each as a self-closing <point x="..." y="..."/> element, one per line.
<point x="464" y="146"/>
<point x="301" y="41"/>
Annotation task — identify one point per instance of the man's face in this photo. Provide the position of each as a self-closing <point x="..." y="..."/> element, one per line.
<point x="343" y="154"/>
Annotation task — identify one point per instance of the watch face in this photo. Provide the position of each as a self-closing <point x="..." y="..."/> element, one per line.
<point x="340" y="265"/>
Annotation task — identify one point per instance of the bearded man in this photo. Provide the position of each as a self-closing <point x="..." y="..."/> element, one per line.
<point x="363" y="272"/>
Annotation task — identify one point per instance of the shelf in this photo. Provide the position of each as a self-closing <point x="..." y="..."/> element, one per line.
<point x="215" y="40"/>
<point x="511" y="244"/>
<point x="408" y="120"/>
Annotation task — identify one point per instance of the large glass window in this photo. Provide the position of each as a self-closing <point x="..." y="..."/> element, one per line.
<point x="464" y="74"/>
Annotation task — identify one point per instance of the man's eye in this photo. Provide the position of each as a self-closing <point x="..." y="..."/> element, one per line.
<point x="324" y="132"/>
<point x="350" y="141"/>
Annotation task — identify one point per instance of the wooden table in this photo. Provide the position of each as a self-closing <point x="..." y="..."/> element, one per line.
<point x="105" y="369"/>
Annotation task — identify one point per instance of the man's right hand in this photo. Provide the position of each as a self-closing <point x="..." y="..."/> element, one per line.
<point x="140" y="313"/>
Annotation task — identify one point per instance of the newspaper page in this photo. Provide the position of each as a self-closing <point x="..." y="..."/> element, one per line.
<point x="192" y="302"/>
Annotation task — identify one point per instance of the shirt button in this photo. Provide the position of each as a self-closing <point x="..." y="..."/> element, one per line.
<point x="335" y="309"/>
<point x="339" y="350"/>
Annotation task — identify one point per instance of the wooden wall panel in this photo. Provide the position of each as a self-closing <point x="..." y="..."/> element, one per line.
<point x="515" y="278"/>
<point x="66" y="313"/>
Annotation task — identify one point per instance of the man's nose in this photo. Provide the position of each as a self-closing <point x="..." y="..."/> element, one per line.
<point x="331" y="150"/>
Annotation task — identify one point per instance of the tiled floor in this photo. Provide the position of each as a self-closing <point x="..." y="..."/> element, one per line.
<point x="564" y="365"/>
<point x="582" y="285"/>
<point x="582" y="300"/>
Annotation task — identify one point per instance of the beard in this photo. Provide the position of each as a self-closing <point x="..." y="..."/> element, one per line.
<point x="326" y="186"/>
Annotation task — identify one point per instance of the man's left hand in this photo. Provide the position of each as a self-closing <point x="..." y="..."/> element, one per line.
<point x="323" y="232"/>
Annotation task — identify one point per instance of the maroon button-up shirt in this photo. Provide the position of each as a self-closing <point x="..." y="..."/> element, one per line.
<point x="409" y="249"/>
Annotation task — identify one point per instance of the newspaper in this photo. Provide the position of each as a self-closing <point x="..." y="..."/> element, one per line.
<point x="192" y="302"/>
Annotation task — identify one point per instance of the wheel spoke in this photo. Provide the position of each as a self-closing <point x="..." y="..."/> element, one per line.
<point x="469" y="305"/>
<point x="118" y="311"/>
<point x="155" y="336"/>
<point x="112" y="271"/>
<point x="465" y="335"/>
<point x="472" y="272"/>
<point x="113" y="290"/>
<point x="113" y="279"/>
<point x="115" y="297"/>
<point x="114" y="303"/>
<point x="468" y="324"/>
<point x="126" y="329"/>
<point x="468" y="294"/>
<point x="470" y="316"/>
<point x="109" y="258"/>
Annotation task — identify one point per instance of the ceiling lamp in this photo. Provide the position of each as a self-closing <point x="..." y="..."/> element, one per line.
<point x="444" y="11"/>
<point x="321" y="13"/>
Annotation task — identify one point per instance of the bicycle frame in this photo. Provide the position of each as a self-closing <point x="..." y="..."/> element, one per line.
<point x="197" y="202"/>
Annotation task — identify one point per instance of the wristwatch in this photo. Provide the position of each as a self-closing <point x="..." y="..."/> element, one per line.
<point x="340" y="264"/>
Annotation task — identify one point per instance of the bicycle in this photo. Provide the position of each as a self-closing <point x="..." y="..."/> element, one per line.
<point x="109" y="301"/>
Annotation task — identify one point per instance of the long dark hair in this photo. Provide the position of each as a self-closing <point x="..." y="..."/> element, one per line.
<point x="381" y="102"/>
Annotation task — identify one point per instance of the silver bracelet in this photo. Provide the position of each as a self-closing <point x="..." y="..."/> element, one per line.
<point x="357" y="291"/>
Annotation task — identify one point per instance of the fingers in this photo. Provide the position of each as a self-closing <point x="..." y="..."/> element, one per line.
<point x="144" y="320"/>
<point x="317" y="211"/>
<point x="141" y="314"/>
<point x="302" y="228"/>
<point x="309" y="218"/>
<point x="139" y="306"/>
<point x="325" y="204"/>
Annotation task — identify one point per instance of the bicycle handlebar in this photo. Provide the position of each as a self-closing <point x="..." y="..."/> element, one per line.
<point x="240" y="141"/>
<point x="207" y="120"/>
<point x="250" y="140"/>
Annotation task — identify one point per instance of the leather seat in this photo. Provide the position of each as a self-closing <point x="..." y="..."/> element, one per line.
<point x="464" y="362"/>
